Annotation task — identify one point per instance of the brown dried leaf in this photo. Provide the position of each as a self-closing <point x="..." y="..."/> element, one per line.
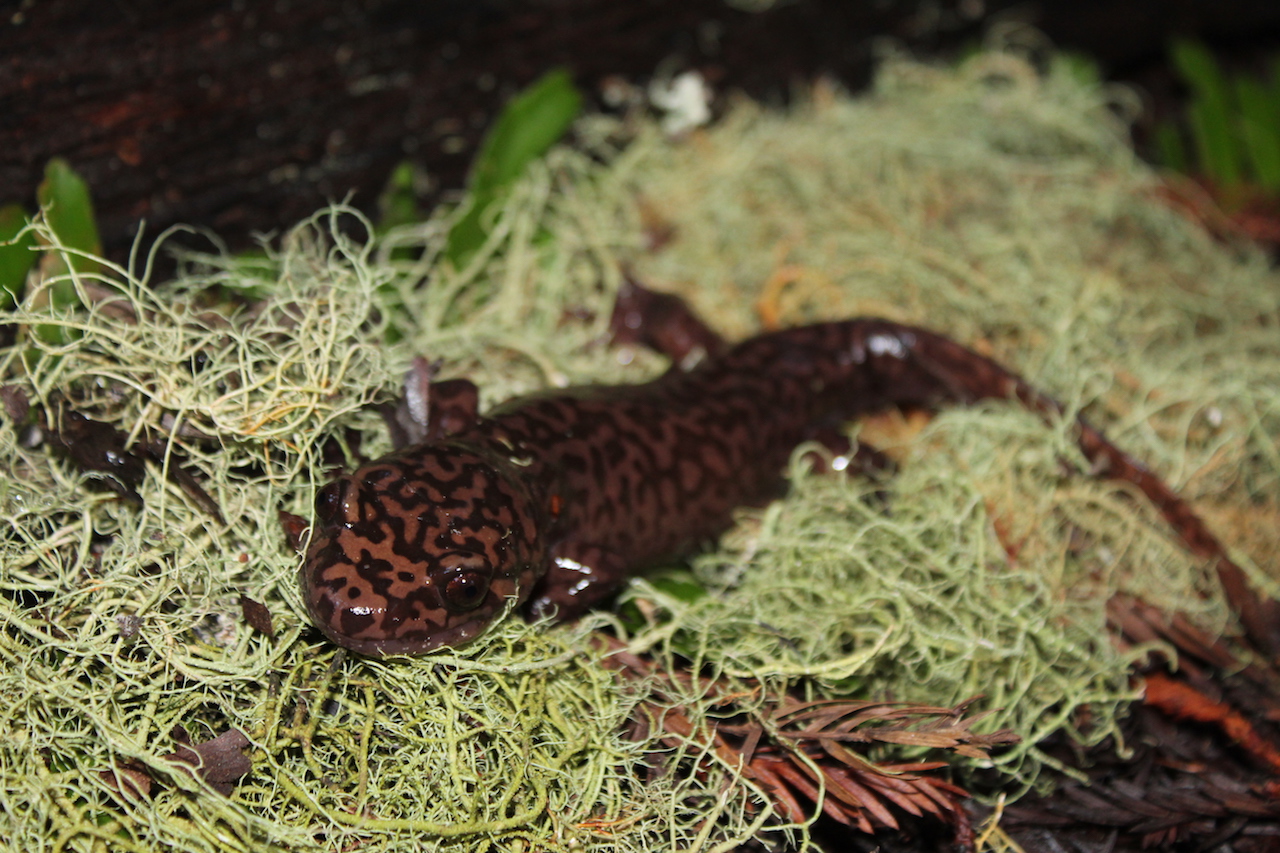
<point x="904" y="791"/>
<point x="801" y="750"/>
<point x="128" y="779"/>
<point x="221" y="762"/>
<point x="932" y="740"/>
<point x="1183" y="702"/>
<point x="257" y="616"/>
<point x="842" y="785"/>
<point x="761" y="771"/>
<point x="846" y="756"/>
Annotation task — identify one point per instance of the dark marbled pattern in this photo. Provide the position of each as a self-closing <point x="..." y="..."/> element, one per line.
<point x="551" y="502"/>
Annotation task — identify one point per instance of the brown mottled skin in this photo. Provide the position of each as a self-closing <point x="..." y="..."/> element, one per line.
<point x="551" y="502"/>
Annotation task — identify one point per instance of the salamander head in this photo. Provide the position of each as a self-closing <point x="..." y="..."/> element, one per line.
<point x="419" y="550"/>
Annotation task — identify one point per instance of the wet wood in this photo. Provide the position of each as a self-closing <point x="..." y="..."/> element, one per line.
<point x="248" y="116"/>
<point x="251" y="115"/>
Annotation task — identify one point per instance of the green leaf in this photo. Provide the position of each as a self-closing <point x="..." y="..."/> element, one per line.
<point x="1260" y="131"/>
<point x="1210" y="112"/>
<point x="253" y="275"/>
<point x="1170" y="149"/>
<point x="1078" y="66"/>
<point x="64" y="196"/>
<point x="16" y="257"/>
<point x="398" y="202"/>
<point x="529" y="125"/>
<point x="679" y="583"/>
<point x="1272" y="86"/>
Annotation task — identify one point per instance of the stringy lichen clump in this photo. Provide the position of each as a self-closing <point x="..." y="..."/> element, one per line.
<point x="996" y="204"/>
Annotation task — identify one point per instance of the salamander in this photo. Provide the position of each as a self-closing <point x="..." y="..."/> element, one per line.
<point x="549" y="502"/>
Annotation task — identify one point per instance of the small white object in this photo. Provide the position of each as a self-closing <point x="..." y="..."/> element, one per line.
<point x="894" y="345"/>
<point x="686" y="100"/>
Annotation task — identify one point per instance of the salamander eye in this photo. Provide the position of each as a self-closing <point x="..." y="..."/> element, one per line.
<point x="466" y="591"/>
<point x="329" y="501"/>
<point x="465" y="584"/>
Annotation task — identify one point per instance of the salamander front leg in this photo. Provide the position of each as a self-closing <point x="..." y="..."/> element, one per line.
<point x="579" y="579"/>
<point x="662" y="322"/>
<point x="295" y="530"/>
<point x="431" y="409"/>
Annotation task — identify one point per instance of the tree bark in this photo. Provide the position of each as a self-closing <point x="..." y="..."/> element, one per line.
<point x="246" y="116"/>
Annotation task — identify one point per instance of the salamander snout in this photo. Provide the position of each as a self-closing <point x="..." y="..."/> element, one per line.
<point x="406" y="558"/>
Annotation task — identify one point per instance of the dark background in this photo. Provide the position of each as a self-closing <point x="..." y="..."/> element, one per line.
<point x="250" y="115"/>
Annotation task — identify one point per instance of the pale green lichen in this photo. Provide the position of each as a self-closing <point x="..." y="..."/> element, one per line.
<point x="995" y="204"/>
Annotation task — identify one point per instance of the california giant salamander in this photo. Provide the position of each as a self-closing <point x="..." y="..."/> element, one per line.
<point x="552" y="501"/>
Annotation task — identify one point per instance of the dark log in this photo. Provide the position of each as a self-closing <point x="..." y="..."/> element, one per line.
<point x="247" y="116"/>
